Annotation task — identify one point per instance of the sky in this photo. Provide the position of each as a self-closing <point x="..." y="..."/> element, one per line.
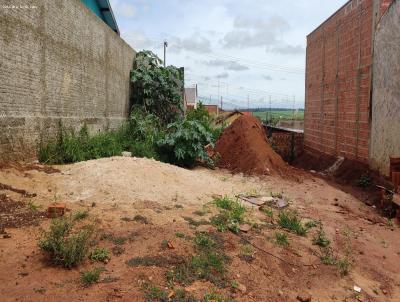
<point x="249" y="52"/>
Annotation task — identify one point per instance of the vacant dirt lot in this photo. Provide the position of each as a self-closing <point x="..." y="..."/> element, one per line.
<point x="143" y="208"/>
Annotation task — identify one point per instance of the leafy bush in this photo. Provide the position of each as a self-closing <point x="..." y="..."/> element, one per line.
<point x="201" y="115"/>
<point x="184" y="143"/>
<point x="64" y="246"/>
<point x="99" y="254"/>
<point x="158" y="89"/>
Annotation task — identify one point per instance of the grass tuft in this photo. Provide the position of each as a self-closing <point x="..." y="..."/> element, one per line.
<point x="289" y="220"/>
<point x="281" y="239"/>
<point x="321" y="239"/>
<point x="231" y="214"/>
<point x="80" y="215"/>
<point x="91" y="277"/>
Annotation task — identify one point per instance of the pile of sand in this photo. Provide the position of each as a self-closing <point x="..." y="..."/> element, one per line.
<point x="243" y="147"/>
<point x="126" y="180"/>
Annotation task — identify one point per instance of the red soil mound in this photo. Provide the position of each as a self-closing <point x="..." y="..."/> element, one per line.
<point x="243" y="147"/>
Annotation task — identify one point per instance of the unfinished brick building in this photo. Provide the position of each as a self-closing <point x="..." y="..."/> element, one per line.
<point x="339" y="82"/>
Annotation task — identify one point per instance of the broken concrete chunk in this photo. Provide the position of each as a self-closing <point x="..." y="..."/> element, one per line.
<point x="357" y="289"/>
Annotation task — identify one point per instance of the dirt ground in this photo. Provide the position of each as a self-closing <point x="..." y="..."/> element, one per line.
<point x="172" y="200"/>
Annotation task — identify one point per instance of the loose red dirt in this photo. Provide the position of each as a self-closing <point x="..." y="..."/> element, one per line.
<point x="243" y="147"/>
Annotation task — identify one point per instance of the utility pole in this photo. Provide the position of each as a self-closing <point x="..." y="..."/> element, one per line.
<point x="219" y="87"/>
<point x="165" y="53"/>
<point x="294" y="105"/>
<point x="270" y="109"/>
<point x="222" y="102"/>
<point x="248" y="103"/>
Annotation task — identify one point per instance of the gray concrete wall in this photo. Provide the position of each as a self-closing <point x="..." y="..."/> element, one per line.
<point x="385" y="126"/>
<point x="58" y="61"/>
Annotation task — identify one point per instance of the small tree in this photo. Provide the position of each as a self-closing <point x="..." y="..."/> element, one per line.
<point x="158" y="89"/>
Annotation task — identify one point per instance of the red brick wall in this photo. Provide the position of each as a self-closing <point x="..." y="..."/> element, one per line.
<point x="338" y="77"/>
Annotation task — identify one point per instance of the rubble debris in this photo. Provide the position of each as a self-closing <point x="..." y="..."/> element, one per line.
<point x="19" y="191"/>
<point x="245" y="227"/>
<point x="357" y="289"/>
<point x="243" y="147"/>
<point x="332" y="169"/>
<point x="252" y="200"/>
<point x="56" y="210"/>
<point x="15" y="214"/>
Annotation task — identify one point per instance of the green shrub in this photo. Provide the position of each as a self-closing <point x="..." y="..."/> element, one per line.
<point x="99" y="254"/>
<point x="184" y="143"/>
<point x="65" y="247"/>
<point x="201" y="115"/>
<point x="90" y="277"/>
<point x="158" y="89"/>
<point x="290" y="221"/>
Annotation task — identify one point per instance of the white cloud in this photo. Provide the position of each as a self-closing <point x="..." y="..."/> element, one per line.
<point x="228" y="65"/>
<point x="224" y="75"/>
<point x="138" y="40"/>
<point x="194" y="43"/>
<point x="125" y="9"/>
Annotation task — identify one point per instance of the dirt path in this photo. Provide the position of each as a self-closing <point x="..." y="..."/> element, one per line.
<point x="116" y="190"/>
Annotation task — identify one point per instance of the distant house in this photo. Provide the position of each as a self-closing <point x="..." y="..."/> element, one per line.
<point x="102" y="9"/>
<point x="212" y="109"/>
<point x="190" y="98"/>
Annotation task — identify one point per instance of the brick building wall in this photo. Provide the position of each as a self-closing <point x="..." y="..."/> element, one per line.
<point x="385" y="126"/>
<point x="58" y="62"/>
<point x="338" y="82"/>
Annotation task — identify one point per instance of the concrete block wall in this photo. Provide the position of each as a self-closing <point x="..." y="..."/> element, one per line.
<point x="385" y="127"/>
<point x="338" y="83"/>
<point x="58" y="62"/>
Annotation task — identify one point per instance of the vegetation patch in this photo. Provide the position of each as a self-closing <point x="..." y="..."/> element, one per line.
<point x="141" y="219"/>
<point x="281" y="239"/>
<point x="91" y="277"/>
<point x="247" y="253"/>
<point x="65" y="245"/>
<point x="321" y="239"/>
<point x="208" y="263"/>
<point x="289" y="220"/>
<point x="196" y="223"/>
<point x="153" y="293"/>
<point x="158" y="261"/>
<point x="80" y="215"/>
<point x="231" y="214"/>
<point x="100" y="254"/>
<point x="117" y="240"/>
